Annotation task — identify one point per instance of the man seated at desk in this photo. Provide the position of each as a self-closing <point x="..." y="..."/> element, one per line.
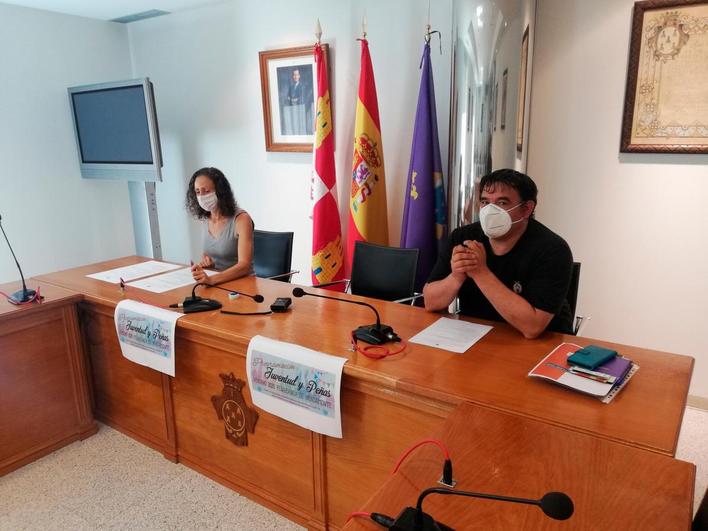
<point x="507" y="266"/>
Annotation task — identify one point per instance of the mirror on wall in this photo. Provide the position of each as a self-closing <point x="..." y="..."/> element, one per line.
<point x="491" y="62"/>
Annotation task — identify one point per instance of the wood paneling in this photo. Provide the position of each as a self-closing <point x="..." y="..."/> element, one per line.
<point x="375" y="432"/>
<point x="613" y="486"/>
<point x="126" y="395"/>
<point x="44" y="401"/>
<point x="278" y="458"/>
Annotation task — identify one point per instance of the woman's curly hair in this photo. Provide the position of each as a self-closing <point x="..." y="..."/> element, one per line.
<point x="225" y="197"/>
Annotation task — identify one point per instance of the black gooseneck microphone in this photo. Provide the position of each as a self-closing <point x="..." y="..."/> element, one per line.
<point x="23" y="295"/>
<point x="374" y="334"/>
<point x="257" y="297"/>
<point x="195" y="303"/>
<point x="556" y="505"/>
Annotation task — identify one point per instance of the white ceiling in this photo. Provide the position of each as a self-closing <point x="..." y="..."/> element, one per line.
<point x="110" y="9"/>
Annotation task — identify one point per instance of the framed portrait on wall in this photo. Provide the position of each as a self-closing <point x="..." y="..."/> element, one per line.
<point x="521" y="113"/>
<point x="289" y="90"/>
<point x="666" y="99"/>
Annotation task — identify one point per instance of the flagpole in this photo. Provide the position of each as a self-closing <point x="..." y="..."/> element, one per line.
<point x="363" y="25"/>
<point x="318" y="31"/>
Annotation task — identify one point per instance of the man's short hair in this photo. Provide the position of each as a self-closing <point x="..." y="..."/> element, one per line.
<point x="520" y="182"/>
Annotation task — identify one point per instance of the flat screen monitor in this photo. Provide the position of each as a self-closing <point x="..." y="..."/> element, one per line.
<point x="116" y="130"/>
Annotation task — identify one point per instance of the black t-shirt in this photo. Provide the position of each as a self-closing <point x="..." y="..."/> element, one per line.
<point x="538" y="268"/>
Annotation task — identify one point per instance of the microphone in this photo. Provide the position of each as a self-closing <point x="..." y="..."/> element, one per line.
<point x="195" y="303"/>
<point x="374" y="334"/>
<point x="257" y="297"/>
<point x="24" y="295"/>
<point x="556" y="505"/>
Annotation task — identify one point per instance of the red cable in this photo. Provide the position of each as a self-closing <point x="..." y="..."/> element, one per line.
<point x="358" y="513"/>
<point x="384" y="354"/>
<point x="416" y="445"/>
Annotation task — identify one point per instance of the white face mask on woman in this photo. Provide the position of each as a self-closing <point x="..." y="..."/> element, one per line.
<point x="496" y="221"/>
<point x="208" y="201"/>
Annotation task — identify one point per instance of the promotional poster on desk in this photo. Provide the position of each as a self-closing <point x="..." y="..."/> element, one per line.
<point x="297" y="384"/>
<point x="147" y="335"/>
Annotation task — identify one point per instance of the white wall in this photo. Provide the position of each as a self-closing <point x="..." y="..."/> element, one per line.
<point x="55" y="219"/>
<point x="204" y="64"/>
<point x="636" y="222"/>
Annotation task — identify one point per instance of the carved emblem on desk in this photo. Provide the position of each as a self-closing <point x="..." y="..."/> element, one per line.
<point x="239" y="418"/>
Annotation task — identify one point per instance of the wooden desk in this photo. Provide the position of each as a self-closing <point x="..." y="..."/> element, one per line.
<point x="612" y="486"/>
<point x="386" y="404"/>
<point x="44" y="397"/>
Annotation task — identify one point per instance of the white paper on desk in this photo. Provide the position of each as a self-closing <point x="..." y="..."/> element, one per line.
<point x="131" y="272"/>
<point x="147" y="334"/>
<point x="168" y="281"/>
<point x="451" y="334"/>
<point x="297" y="384"/>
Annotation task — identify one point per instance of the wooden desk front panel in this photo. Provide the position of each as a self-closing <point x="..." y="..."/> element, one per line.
<point x="377" y="426"/>
<point x="127" y="396"/>
<point x="44" y="402"/>
<point x="613" y="486"/>
<point x="277" y="465"/>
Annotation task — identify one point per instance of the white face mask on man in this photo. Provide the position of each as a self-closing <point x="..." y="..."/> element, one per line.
<point x="496" y="221"/>
<point x="208" y="201"/>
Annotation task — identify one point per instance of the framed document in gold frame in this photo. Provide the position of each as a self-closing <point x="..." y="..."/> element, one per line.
<point x="666" y="101"/>
<point x="288" y="90"/>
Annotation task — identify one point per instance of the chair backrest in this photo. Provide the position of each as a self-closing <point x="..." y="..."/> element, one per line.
<point x="381" y="272"/>
<point x="573" y="288"/>
<point x="272" y="253"/>
<point x="700" y="519"/>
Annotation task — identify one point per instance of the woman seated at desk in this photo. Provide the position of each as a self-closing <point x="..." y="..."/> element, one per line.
<point x="227" y="230"/>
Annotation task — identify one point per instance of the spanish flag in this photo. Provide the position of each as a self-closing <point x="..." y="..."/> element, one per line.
<point x="367" y="205"/>
<point x="327" y="252"/>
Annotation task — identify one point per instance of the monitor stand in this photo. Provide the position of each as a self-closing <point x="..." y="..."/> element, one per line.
<point x="146" y="229"/>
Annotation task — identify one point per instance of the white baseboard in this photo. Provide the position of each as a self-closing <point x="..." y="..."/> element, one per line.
<point x="699" y="402"/>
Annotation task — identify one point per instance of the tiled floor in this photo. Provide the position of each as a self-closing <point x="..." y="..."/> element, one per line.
<point x="693" y="447"/>
<point x="110" y="481"/>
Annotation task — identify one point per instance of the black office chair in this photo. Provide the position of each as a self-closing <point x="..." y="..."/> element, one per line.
<point x="386" y="273"/>
<point x="272" y="254"/>
<point x="572" y="297"/>
<point x="700" y="519"/>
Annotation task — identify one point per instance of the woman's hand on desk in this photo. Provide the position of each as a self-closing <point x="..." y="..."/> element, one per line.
<point x="199" y="275"/>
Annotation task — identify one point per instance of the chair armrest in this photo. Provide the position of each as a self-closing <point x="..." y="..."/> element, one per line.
<point x="580" y="321"/>
<point x="334" y="282"/>
<point x="288" y="274"/>
<point x="409" y="300"/>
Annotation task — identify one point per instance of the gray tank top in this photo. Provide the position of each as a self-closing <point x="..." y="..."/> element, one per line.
<point x="223" y="248"/>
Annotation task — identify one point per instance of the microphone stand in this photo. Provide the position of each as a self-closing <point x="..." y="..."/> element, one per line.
<point x="556" y="505"/>
<point x="24" y="295"/>
<point x="195" y="303"/>
<point x="374" y="334"/>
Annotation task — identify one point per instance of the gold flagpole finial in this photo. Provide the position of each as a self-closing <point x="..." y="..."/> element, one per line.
<point x="318" y="31"/>
<point x="363" y="25"/>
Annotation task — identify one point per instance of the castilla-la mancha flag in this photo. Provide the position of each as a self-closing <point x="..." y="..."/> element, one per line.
<point x="367" y="205"/>
<point x="327" y="253"/>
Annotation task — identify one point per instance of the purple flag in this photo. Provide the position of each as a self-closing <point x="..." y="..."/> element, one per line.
<point x="425" y="214"/>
